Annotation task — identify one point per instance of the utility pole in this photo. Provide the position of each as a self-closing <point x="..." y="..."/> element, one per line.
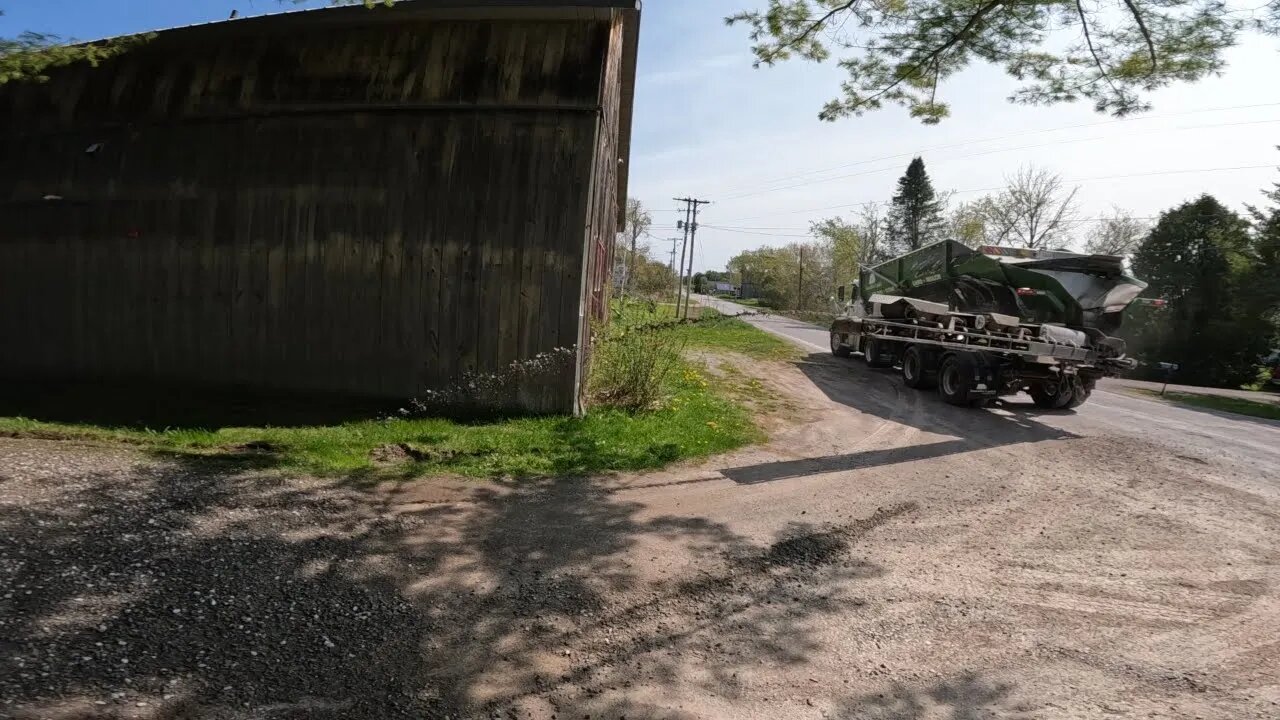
<point x="691" y="206"/>
<point x="800" y="288"/>
<point x="673" y="242"/>
<point x="684" y="249"/>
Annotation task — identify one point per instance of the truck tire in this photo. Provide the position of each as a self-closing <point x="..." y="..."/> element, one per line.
<point x="1051" y="395"/>
<point x="915" y="369"/>
<point x="874" y="352"/>
<point x="955" y="379"/>
<point x="1078" y="397"/>
<point x="838" y="348"/>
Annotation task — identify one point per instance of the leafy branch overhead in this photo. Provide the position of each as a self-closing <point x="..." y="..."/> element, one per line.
<point x="1110" y="52"/>
<point x="30" y="55"/>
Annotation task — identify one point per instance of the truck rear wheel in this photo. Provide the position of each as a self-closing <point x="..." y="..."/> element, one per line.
<point x="838" y="348"/>
<point x="876" y="353"/>
<point x="1078" y="397"/>
<point x="915" y="373"/>
<point x="1052" y="395"/>
<point x="955" y="378"/>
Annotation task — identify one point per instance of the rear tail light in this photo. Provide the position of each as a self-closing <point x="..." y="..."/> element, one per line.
<point x="1024" y="292"/>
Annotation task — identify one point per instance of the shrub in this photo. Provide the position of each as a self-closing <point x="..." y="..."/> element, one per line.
<point x="629" y="367"/>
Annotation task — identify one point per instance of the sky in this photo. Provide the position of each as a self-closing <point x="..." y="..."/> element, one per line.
<point x="710" y="126"/>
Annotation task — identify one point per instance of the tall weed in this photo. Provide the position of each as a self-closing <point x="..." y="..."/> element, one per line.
<point x="629" y="366"/>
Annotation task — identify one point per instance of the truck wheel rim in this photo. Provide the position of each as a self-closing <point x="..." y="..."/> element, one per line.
<point x="909" y="366"/>
<point x="835" y="342"/>
<point x="949" y="380"/>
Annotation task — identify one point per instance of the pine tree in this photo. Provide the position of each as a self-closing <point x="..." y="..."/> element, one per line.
<point x="915" y="213"/>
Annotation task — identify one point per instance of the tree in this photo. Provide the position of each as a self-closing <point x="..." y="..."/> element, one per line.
<point x="651" y="278"/>
<point x="968" y="223"/>
<point x="1110" y="52"/>
<point x="1035" y="211"/>
<point x="1262" y="285"/>
<point x="843" y="244"/>
<point x="871" y="231"/>
<point x="31" y="55"/>
<point x="915" y="213"/>
<point x="1119" y="234"/>
<point x="636" y="224"/>
<point x="1198" y="257"/>
<point x="796" y="276"/>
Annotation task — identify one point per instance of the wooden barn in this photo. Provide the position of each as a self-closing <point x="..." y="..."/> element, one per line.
<point x="373" y="202"/>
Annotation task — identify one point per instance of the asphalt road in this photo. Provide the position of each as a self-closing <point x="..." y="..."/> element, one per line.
<point x="1110" y="412"/>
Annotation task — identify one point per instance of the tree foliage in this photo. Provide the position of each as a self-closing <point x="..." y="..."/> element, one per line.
<point x="794" y="277"/>
<point x="1199" y="257"/>
<point x="636" y="224"/>
<point x="900" y="51"/>
<point x="967" y="223"/>
<point x="915" y="212"/>
<point x="844" y="245"/>
<point x="30" y="56"/>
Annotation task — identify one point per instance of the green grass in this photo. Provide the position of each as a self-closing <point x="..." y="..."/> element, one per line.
<point x="726" y="333"/>
<point x="1239" y="406"/>
<point x="696" y="417"/>
<point x="713" y="331"/>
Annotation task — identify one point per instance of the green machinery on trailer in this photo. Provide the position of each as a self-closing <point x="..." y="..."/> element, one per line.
<point x="992" y="321"/>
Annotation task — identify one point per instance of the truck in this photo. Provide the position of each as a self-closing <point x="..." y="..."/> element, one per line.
<point x="982" y="323"/>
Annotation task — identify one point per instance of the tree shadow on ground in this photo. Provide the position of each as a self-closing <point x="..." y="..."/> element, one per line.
<point x="964" y="697"/>
<point x="182" y="589"/>
<point x="881" y="394"/>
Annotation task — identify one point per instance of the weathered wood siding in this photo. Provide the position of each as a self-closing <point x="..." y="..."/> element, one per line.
<point x="372" y="210"/>
<point x="602" y="218"/>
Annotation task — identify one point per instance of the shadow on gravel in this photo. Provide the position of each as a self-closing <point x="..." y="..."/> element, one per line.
<point x="966" y="697"/>
<point x="190" y="590"/>
<point x="879" y="393"/>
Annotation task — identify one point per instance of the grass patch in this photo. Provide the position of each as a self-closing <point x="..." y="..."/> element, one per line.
<point x="1239" y="406"/>
<point x="693" y="416"/>
<point x="717" y="332"/>
<point x="694" y="421"/>
<point x="711" y="331"/>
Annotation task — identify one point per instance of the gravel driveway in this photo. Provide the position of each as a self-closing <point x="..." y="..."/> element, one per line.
<point x="884" y="556"/>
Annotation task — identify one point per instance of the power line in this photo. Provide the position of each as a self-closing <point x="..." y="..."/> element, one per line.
<point x="998" y="137"/>
<point x="1000" y="187"/>
<point x="995" y="151"/>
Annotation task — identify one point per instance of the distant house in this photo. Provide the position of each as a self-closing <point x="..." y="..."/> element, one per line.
<point x="723" y="287"/>
<point x="347" y="200"/>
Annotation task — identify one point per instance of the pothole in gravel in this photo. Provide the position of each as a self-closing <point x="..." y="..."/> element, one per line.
<point x="824" y="547"/>
<point x="812" y="550"/>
